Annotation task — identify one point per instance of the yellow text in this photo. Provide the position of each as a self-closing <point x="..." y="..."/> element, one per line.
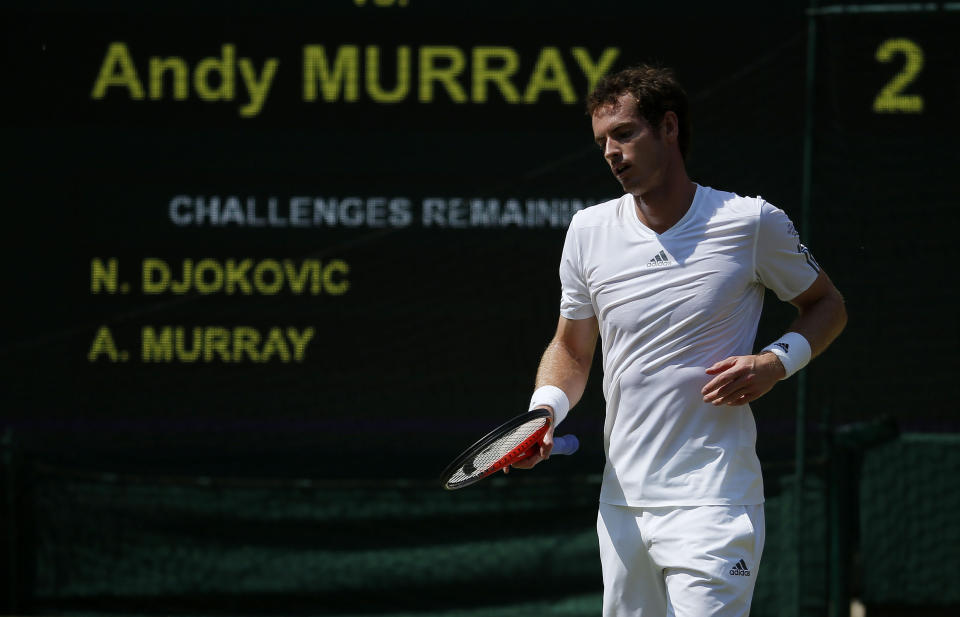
<point x="213" y="78"/>
<point x="245" y="276"/>
<point x="448" y="72"/>
<point x="208" y="344"/>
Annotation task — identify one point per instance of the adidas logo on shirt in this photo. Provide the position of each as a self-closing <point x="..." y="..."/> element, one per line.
<point x="660" y="259"/>
<point x="740" y="569"/>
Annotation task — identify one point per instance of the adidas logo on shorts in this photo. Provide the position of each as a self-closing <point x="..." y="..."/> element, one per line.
<point x="740" y="569"/>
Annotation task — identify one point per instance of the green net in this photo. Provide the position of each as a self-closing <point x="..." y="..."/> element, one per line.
<point x="129" y="544"/>
<point x="793" y="572"/>
<point x="909" y="499"/>
<point x="119" y="542"/>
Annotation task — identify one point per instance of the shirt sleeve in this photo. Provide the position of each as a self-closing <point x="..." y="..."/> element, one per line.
<point x="575" y="301"/>
<point x="783" y="264"/>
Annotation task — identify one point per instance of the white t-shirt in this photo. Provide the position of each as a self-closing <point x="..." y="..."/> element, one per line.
<point x="669" y="306"/>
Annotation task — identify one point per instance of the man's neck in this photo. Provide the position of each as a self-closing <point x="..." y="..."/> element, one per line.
<point x="663" y="207"/>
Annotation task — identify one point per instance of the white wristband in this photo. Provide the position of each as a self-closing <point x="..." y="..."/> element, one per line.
<point x="793" y="351"/>
<point x="555" y="398"/>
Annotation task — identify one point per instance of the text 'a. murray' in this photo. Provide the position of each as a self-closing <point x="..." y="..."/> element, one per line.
<point x="238" y="344"/>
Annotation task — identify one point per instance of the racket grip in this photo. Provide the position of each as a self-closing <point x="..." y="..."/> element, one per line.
<point x="567" y="444"/>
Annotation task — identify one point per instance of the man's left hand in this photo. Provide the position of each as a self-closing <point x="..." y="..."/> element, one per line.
<point x="739" y="380"/>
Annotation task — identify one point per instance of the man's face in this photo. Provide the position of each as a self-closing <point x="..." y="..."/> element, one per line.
<point x="635" y="151"/>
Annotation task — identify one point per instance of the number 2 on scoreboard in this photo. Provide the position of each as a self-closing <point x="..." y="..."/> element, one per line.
<point x="891" y="99"/>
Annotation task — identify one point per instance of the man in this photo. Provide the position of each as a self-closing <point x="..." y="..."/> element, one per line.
<point x="672" y="276"/>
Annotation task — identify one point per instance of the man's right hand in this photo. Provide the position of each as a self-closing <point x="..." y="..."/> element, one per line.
<point x="542" y="451"/>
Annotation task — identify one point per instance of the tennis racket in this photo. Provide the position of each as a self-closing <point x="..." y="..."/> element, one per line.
<point x="513" y="441"/>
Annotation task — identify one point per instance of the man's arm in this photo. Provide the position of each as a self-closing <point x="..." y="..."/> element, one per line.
<point x="740" y="379"/>
<point x="566" y="361"/>
<point x="565" y="364"/>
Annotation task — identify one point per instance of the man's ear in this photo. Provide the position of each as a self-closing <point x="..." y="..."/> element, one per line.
<point x="670" y="126"/>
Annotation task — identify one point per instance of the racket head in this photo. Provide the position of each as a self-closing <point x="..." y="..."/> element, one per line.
<point x="502" y="446"/>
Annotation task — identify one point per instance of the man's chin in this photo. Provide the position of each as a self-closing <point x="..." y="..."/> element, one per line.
<point x="633" y="189"/>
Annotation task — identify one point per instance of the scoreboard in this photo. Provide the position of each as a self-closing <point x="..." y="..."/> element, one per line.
<point x="309" y="240"/>
<point x="884" y="210"/>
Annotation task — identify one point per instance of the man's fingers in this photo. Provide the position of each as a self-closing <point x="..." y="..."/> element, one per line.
<point x="725" y="371"/>
<point x="541" y="452"/>
<point x="719" y="385"/>
<point x="530" y="461"/>
<point x="741" y="379"/>
<point x="740" y="394"/>
<point x="721" y="366"/>
<point x="730" y="391"/>
<point x="546" y="446"/>
<point x="740" y="397"/>
<point x="713" y="385"/>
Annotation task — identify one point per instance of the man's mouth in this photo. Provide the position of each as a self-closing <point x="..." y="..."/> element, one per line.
<point x="619" y="169"/>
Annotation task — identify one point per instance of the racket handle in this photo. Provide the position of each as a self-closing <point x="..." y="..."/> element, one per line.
<point x="567" y="444"/>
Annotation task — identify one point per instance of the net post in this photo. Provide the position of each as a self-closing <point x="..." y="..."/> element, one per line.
<point x="806" y="200"/>
<point x="839" y="504"/>
<point x="10" y="602"/>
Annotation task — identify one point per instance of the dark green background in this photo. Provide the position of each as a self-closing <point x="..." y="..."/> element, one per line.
<point x="442" y="328"/>
<point x="439" y="336"/>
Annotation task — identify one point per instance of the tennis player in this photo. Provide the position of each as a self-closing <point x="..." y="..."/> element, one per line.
<point x="671" y="276"/>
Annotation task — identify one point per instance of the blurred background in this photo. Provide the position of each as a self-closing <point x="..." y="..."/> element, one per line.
<point x="270" y="266"/>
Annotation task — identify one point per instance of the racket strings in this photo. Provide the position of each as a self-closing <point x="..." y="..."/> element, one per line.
<point x="500" y="453"/>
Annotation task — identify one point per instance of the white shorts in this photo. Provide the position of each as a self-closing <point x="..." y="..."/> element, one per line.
<point x="679" y="561"/>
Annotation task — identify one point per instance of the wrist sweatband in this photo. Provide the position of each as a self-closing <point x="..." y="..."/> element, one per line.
<point x="793" y="351"/>
<point x="555" y="398"/>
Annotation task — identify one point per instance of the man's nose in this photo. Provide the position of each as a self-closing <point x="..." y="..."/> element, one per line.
<point x="611" y="151"/>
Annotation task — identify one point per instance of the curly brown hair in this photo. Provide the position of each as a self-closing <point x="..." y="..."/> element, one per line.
<point x="656" y="91"/>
